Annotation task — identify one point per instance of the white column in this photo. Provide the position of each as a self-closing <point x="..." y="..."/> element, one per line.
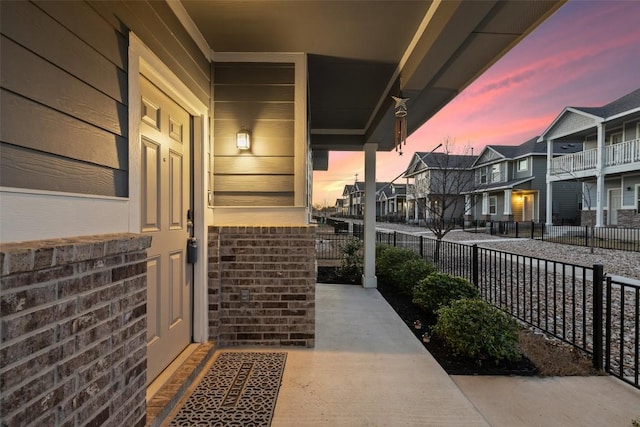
<point x="600" y="193"/>
<point x="467" y="204"/>
<point x="507" y="201"/>
<point x="549" y="207"/>
<point x="485" y="203"/>
<point x="369" y="279"/>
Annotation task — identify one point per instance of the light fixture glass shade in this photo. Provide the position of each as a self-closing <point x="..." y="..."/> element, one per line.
<point x="243" y="140"/>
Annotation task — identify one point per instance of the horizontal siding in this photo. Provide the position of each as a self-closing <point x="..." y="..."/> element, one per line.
<point x="23" y="168"/>
<point x="253" y="199"/>
<point x="30" y="27"/>
<point x="34" y="126"/>
<point x="262" y="166"/>
<point x="65" y="89"/>
<point x="141" y="17"/>
<point x="41" y="81"/>
<point x="260" y="98"/>
<point x="254" y="183"/>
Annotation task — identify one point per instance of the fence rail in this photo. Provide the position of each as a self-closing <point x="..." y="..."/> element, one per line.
<point x="567" y="301"/>
<point x="623" y="239"/>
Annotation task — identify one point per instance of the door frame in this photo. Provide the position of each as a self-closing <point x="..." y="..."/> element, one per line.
<point x="610" y="208"/>
<point x="143" y="61"/>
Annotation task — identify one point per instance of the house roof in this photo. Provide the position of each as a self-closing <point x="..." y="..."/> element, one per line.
<point x="527" y="148"/>
<point x="628" y="102"/>
<point x="615" y="111"/>
<point x="429" y="160"/>
<point x="500" y="185"/>
<point x="360" y="53"/>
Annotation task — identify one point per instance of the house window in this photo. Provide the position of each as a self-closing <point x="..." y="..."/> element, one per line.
<point x="495" y="173"/>
<point x="637" y="198"/>
<point x="616" y="138"/>
<point x="493" y="205"/>
<point x="523" y="165"/>
<point x="483" y="176"/>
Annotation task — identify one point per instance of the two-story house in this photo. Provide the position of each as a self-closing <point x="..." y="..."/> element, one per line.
<point x="607" y="168"/>
<point x="440" y="180"/>
<point x="392" y="201"/>
<point x="509" y="184"/>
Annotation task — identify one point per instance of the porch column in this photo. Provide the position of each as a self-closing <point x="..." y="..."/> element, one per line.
<point x="416" y="210"/>
<point x="467" y="204"/>
<point x="549" y="206"/>
<point x="407" y="204"/>
<point x="507" y="202"/>
<point x="369" y="279"/>
<point x="600" y="193"/>
<point x="485" y="204"/>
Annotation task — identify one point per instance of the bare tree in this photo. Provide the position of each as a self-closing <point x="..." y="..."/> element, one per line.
<point x="439" y="190"/>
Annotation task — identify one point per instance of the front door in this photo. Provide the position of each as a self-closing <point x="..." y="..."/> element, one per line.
<point x="614" y="205"/>
<point x="165" y="129"/>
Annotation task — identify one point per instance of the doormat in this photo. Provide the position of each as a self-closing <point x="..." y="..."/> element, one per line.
<point x="240" y="389"/>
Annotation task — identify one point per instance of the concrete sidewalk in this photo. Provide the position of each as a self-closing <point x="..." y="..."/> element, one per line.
<point x="368" y="369"/>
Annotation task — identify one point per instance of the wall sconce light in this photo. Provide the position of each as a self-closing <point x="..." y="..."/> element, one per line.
<point x="628" y="188"/>
<point x="243" y="139"/>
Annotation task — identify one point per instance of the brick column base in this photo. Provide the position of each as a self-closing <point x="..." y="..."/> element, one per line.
<point x="262" y="286"/>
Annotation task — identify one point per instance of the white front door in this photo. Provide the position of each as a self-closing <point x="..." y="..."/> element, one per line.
<point x="614" y="205"/>
<point x="165" y="129"/>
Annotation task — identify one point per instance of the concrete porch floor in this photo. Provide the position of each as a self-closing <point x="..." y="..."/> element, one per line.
<point x="367" y="369"/>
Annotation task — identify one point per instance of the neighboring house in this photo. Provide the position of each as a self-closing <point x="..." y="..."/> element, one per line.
<point x="156" y="164"/>
<point x="392" y="200"/>
<point x="439" y="179"/>
<point x="340" y="208"/>
<point x="509" y="184"/>
<point x="608" y="167"/>
<point x="353" y="196"/>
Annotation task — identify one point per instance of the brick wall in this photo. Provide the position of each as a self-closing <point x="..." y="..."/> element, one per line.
<point x="73" y="331"/>
<point x="274" y="269"/>
<point x="628" y="218"/>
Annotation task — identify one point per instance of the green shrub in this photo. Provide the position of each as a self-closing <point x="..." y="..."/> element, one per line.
<point x="407" y="274"/>
<point x="476" y="329"/>
<point x="439" y="289"/>
<point x="389" y="258"/>
<point x="351" y="266"/>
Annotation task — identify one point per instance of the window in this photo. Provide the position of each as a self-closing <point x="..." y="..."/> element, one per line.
<point x="638" y="198"/>
<point x="483" y="176"/>
<point x="523" y="165"/>
<point x="493" y="205"/>
<point x="495" y="173"/>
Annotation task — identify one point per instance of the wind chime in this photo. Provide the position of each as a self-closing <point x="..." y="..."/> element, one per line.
<point x="400" y="113"/>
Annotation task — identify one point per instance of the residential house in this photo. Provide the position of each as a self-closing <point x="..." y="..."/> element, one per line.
<point x="608" y="164"/>
<point x="392" y="201"/>
<point x="440" y="180"/>
<point x="509" y="184"/>
<point x="156" y="160"/>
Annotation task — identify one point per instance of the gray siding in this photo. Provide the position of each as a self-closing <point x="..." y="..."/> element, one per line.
<point x="64" y="89"/>
<point x="260" y="98"/>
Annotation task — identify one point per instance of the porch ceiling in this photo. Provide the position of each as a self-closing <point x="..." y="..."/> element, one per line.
<point x="361" y="52"/>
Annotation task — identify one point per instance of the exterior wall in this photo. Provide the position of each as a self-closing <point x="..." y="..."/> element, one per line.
<point x="74" y="335"/>
<point x="628" y="218"/>
<point x="64" y="89"/>
<point x="275" y="268"/>
<point x="259" y="97"/>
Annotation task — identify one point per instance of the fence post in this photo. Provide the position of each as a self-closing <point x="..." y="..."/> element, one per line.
<point x="475" y="266"/>
<point x="598" y="277"/>
<point x="421" y="250"/>
<point x="533" y="229"/>
<point x="517" y="229"/>
<point x="586" y="236"/>
<point x="395" y="235"/>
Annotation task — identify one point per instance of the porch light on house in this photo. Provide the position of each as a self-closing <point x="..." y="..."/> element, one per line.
<point x="243" y="139"/>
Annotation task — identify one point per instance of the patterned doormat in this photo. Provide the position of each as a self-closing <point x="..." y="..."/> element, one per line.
<point x="240" y="389"/>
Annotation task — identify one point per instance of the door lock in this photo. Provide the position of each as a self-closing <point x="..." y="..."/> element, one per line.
<point x="192" y="250"/>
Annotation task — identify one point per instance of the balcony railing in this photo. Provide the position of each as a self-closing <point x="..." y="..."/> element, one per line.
<point x="581" y="161"/>
<point x="622" y="153"/>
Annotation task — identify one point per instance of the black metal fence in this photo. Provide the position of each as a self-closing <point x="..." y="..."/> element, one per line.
<point x="564" y="300"/>
<point x="623" y="239"/>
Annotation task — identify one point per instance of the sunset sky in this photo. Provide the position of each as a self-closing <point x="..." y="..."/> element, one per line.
<point x="586" y="54"/>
